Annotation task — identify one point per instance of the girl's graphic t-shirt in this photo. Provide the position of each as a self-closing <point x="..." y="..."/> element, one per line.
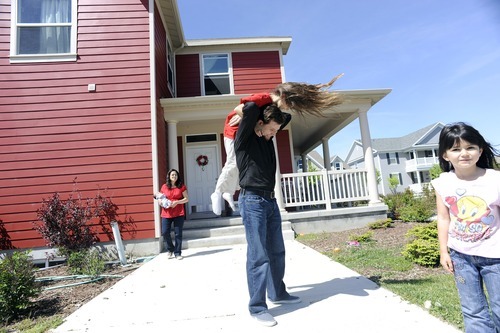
<point x="474" y="212"/>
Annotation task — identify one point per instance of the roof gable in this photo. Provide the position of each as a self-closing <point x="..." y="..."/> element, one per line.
<point x="428" y="135"/>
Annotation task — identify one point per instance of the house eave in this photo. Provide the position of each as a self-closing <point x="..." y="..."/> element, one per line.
<point x="194" y="45"/>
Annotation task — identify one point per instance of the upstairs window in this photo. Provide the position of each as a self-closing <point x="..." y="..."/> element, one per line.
<point x="216" y="76"/>
<point x="43" y="30"/>
<point x="392" y="158"/>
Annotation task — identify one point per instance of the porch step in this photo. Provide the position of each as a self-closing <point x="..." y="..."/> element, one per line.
<point x="221" y="231"/>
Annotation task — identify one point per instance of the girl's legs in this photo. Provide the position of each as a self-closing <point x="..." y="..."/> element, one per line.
<point x="469" y="272"/>
<point x="227" y="183"/>
<point x="490" y="271"/>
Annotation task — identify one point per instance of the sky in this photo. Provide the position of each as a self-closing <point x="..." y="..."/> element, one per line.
<point x="441" y="58"/>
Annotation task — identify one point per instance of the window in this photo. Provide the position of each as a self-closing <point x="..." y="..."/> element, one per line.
<point x="216" y="77"/>
<point x="338" y="166"/>
<point x="201" y="138"/>
<point x="170" y="71"/>
<point x="392" y="158"/>
<point x="43" y="30"/>
<point x="398" y="177"/>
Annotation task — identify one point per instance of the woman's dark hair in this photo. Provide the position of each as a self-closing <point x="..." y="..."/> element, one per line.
<point x="451" y="135"/>
<point x="178" y="182"/>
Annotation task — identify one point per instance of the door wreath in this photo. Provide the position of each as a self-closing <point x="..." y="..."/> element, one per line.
<point x="202" y="160"/>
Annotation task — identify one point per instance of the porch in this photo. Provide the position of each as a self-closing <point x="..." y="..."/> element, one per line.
<point x="310" y="202"/>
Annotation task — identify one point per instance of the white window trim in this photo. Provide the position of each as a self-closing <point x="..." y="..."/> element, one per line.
<point x="230" y="71"/>
<point x="26" y="58"/>
<point x="398" y="176"/>
<point x="171" y="65"/>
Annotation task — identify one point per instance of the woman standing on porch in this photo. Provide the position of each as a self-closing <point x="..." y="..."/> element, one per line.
<point x="175" y="191"/>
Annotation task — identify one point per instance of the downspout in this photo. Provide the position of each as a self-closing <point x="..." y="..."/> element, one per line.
<point x="154" y="128"/>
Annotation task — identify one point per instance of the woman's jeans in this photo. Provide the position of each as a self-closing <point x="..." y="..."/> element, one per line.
<point x="470" y="274"/>
<point x="265" y="250"/>
<point x="166" y="229"/>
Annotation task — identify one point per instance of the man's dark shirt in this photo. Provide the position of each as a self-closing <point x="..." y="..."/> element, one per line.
<point x="255" y="156"/>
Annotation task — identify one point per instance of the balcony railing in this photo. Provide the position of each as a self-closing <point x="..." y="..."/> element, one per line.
<point x="324" y="187"/>
<point x="421" y="163"/>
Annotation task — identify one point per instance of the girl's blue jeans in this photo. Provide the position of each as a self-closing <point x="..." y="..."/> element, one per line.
<point x="265" y="264"/>
<point x="472" y="275"/>
<point x="166" y="229"/>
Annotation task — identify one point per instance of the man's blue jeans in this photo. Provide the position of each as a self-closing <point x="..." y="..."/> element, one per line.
<point x="470" y="274"/>
<point x="265" y="250"/>
<point x="166" y="229"/>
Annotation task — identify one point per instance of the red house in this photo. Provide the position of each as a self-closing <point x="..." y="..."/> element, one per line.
<point x="110" y="95"/>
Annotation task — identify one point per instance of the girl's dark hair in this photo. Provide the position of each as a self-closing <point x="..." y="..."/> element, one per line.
<point x="178" y="183"/>
<point x="451" y="135"/>
<point x="305" y="98"/>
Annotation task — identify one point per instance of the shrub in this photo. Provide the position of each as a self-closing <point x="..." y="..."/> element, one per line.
<point x="407" y="207"/>
<point x="65" y="223"/>
<point x="17" y="285"/>
<point x="86" y="262"/>
<point x="419" y="210"/>
<point x="423" y="249"/>
<point x="380" y="224"/>
<point x="397" y="200"/>
<point x="366" y="237"/>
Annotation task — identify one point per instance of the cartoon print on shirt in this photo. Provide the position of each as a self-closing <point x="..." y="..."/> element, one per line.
<point x="470" y="216"/>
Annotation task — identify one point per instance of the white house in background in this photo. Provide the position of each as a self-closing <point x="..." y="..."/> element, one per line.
<point x="407" y="158"/>
<point x="336" y="163"/>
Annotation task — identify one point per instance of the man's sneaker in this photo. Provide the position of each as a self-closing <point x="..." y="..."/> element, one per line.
<point x="264" y="318"/>
<point x="170" y="255"/>
<point x="179" y="257"/>
<point x="287" y="300"/>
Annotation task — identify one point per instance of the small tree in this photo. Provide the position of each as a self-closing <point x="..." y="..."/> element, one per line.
<point x="393" y="184"/>
<point x="378" y="175"/>
<point x="435" y="171"/>
<point x="65" y="224"/>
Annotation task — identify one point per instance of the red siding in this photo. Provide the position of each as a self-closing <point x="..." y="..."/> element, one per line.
<point x="162" y="91"/>
<point x="188" y="75"/>
<point x="252" y="72"/>
<point x="52" y="130"/>
<point x="283" y="144"/>
<point x="256" y="71"/>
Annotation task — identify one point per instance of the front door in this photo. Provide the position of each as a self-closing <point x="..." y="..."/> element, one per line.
<point x="201" y="180"/>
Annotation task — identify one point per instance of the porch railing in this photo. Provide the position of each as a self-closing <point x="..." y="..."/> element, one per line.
<point x="324" y="187"/>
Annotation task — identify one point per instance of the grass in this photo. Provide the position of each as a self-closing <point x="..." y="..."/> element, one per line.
<point x="34" y="326"/>
<point x="389" y="269"/>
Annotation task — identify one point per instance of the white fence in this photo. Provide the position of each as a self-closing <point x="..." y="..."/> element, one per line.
<point x="324" y="187"/>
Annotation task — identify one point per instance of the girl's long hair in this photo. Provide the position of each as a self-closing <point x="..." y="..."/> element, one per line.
<point x="305" y="98"/>
<point x="178" y="183"/>
<point x="451" y="135"/>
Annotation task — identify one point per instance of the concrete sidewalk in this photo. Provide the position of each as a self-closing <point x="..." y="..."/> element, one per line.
<point x="207" y="292"/>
